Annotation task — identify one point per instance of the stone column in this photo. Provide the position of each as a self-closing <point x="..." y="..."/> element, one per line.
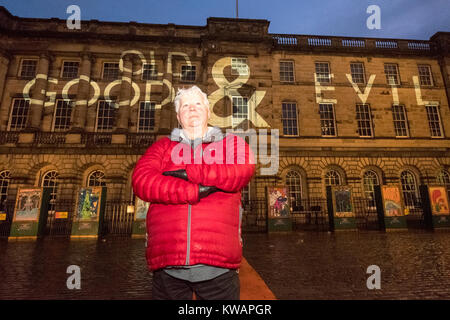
<point x="38" y="94"/>
<point x="123" y="113"/>
<point x="5" y="58"/>
<point x="80" y="111"/>
<point x="165" y="120"/>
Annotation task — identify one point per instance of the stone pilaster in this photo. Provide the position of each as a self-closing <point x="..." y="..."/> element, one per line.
<point x="123" y="113"/>
<point x="81" y="104"/>
<point x="5" y="59"/>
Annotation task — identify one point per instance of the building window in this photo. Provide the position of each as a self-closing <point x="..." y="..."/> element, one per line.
<point x="327" y="123"/>
<point x="96" y="179"/>
<point x="400" y="121"/>
<point x="357" y="71"/>
<point x="323" y="72"/>
<point x="110" y="71"/>
<point x="28" y="68"/>
<point x="287" y="71"/>
<point x="63" y="112"/>
<point x="149" y="72"/>
<point x="240" y="110"/>
<point x="239" y="66"/>
<point x="409" y="188"/>
<point x="289" y="118"/>
<point x="392" y="76"/>
<point x="50" y="180"/>
<point x="364" y="120"/>
<point x="5" y="177"/>
<point x="188" y="73"/>
<point x="294" y="184"/>
<point x="19" y="114"/>
<point x="106" y="115"/>
<point x="332" y="178"/>
<point x="434" y="121"/>
<point x="370" y="180"/>
<point x="425" y="77"/>
<point x="146" y="116"/>
<point x="443" y="177"/>
<point x="70" y="69"/>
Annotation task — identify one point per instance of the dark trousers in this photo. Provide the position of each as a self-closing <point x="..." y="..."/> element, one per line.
<point x="223" y="287"/>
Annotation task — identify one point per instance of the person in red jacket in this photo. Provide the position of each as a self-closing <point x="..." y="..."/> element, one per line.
<point x="193" y="181"/>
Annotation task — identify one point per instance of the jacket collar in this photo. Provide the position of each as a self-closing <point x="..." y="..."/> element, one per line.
<point x="211" y="135"/>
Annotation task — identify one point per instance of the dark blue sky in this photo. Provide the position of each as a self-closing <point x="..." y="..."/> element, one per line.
<point x="408" y="19"/>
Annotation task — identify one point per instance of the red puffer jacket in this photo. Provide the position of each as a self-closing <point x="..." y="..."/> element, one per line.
<point x="183" y="229"/>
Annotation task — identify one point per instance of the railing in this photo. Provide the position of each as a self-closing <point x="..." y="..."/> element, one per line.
<point x="118" y="220"/>
<point x="9" y="137"/>
<point x="95" y="139"/>
<point x="5" y="225"/>
<point x="310" y="42"/>
<point x="53" y="138"/>
<point x="140" y="139"/>
<point x="254" y="217"/>
<point x="310" y="214"/>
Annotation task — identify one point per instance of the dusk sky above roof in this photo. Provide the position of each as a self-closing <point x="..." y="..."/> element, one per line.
<point x="406" y="19"/>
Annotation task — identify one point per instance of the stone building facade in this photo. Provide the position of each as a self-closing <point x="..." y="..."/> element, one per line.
<point x="79" y="107"/>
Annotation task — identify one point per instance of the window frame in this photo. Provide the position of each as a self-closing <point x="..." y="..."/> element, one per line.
<point x="369" y="120"/>
<point x="407" y="128"/>
<point x="61" y="75"/>
<point x="19" y="75"/>
<point x="103" y="70"/>
<point x="181" y="72"/>
<point x="438" y="113"/>
<point x="233" y="124"/>
<point x="430" y="74"/>
<point x="287" y="119"/>
<point x="97" y="117"/>
<point x="236" y="73"/>
<point x="317" y="74"/>
<point x="54" y="115"/>
<point x="363" y="72"/>
<point x="27" y="101"/>
<point x="155" y="69"/>
<point x="292" y="62"/>
<point x="138" y="130"/>
<point x="334" y="120"/>
<point x="397" y="69"/>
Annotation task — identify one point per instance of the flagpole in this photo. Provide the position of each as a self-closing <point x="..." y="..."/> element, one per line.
<point x="237" y="9"/>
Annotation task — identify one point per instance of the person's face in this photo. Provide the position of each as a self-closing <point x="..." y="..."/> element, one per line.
<point x="193" y="112"/>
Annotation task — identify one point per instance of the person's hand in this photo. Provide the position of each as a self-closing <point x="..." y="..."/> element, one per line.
<point x="177" y="174"/>
<point x="204" y="191"/>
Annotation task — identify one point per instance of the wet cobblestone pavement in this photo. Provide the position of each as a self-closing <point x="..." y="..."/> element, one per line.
<point x="308" y="265"/>
<point x="414" y="265"/>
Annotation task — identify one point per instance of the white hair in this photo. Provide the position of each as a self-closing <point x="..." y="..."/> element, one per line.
<point x="191" y="90"/>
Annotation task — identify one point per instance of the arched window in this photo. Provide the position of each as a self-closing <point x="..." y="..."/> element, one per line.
<point x="294" y="183"/>
<point x="409" y="188"/>
<point x="50" y="179"/>
<point x="332" y="178"/>
<point x="96" y="179"/>
<point x="443" y="177"/>
<point x="370" y="179"/>
<point x="5" y="177"/>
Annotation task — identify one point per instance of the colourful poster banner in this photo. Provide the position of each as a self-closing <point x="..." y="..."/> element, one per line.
<point x="278" y="202"/>
<point x="88" y="205"/>
<point x="28" y="204"/>
<point x="392" y="201"/>
<point x="438" y="200"/>
<point x="141" y="209"/>
<point x="61" y="215"/>
<point x="343" y="202"/>
<point x="2" y="216"/>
